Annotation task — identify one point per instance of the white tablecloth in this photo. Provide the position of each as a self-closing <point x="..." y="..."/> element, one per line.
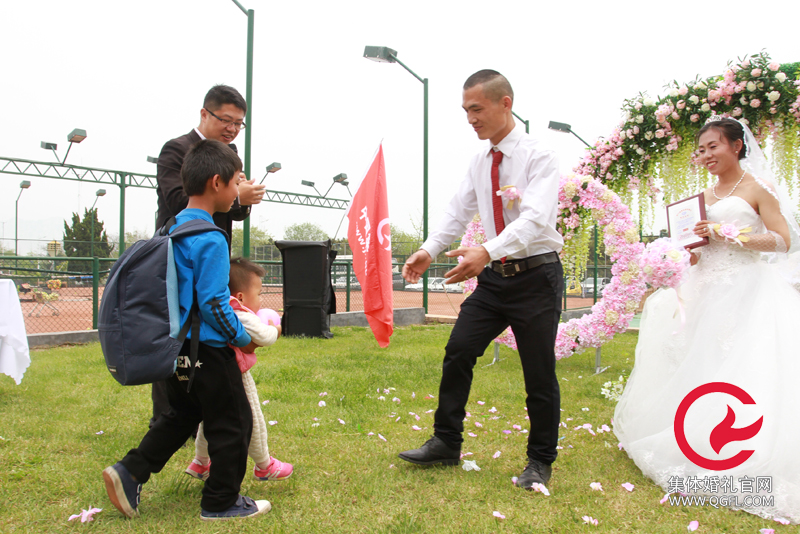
<point x="14" y="355"/>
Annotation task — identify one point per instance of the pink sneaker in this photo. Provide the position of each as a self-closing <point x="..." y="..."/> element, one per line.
<point x="276" y="470"/>
<point x="198" y="470"/>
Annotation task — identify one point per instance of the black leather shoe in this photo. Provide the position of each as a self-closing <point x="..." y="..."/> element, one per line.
<point x="535" y="473"/>
<point x="434" y="451"/>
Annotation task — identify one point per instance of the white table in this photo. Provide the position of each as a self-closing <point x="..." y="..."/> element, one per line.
<point x="14" y="355"/>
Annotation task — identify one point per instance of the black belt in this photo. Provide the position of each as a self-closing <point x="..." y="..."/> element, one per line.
<point x="512" y="267"/>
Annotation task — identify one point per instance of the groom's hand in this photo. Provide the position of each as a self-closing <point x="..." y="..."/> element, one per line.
<point x="474" y="259"/>
<point x="415" y="265"/>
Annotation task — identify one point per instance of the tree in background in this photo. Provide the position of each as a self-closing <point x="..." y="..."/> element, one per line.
<point x="78" y="240"/>
<point x="261" y="242"/>
<point x="305" y="232"/>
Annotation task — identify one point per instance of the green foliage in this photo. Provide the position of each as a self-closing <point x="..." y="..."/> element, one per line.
<point x="260" y="241"/>
<point x="79" y="242"/>
<point x="305" y="231"/>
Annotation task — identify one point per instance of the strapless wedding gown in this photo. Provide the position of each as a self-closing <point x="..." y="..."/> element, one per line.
<point x="733" y="320"/>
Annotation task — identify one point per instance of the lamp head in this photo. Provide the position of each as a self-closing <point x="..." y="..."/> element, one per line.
<point x="76" y="136"/>
<point x="151" y="159"/>
<point x="101" y="193"/>
<point x="274" y="167"/>
<point x="559" y="126"/>
<point x="307" y="183"/>
<point x="381" y="54"/>
<point x="345" y="183"/>
<point x="24" y="184"/>
<point x="339" y="178"/>
<point x="49" y="146"/>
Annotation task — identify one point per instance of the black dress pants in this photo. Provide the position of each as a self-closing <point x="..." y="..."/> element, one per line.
<point x="530" y="303"/>
<point x="218" y="399"/>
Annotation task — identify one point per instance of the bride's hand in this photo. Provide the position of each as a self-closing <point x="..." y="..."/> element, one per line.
<point x="703" y="229"/>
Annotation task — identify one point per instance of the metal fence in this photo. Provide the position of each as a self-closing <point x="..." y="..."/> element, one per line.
<point x="56" y="299"/>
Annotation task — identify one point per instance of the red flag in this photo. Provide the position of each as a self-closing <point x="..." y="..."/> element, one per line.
<point x="369" y="236"/>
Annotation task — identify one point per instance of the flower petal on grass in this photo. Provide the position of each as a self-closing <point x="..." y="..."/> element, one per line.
<point x="382" y="398"/>
<point x="782" y="520"/>
<point x="506" y="432"/>
<point x="589" y="520"/>
<point x="322" y="404"/>
<point x="481" y="403"/>
<point x="620" y="446"/>
<point x="605" y="428"/>
<point x="514" y="480"/>
<point x="265" y="402"/>
<point x="478" y="424"/>
<point x="664" y="498"/>
<point x="498" y="515"/>
<point x="464" y="454"/>
<point x="380" y="436"/>
<point x="100" y="433"/>
<point x="415" y="427"/>
<point x="429" y="411"/>
<point x="470" y="434"/>
<point x="628" y="486"/>
<point x="470" y="465"/>
<point x="371" y="433"/>
<point x="323" y="393"/>
<point x="541" y="488"/>
<point x="492" y="410"/>
<point x="767" y="531"/>
<point x="413" y="395"/>
<point x="691" y="527"/>
<point x="314" y="424"/>
<point x="86" y="515"/>
<point x="397" y="420"/>
<point x="497" y="454"/>
<point x="395" y="399"/>
<point x="271" y="423"/>
<point x="341" y="422"/>
<point x="516" y="427"/>
<point x="596" y="486"/>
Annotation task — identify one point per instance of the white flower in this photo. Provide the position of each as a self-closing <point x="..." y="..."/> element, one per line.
<point x="743" y="101"/>
<point x="640" y="151"/>
<point x="694" y="99"/>
<point x="648" y="101"/>
<point x="781" y="77"/>
<point x="649" y="135"/>
<point x="701" y="86"/>
<point x="705" y="107"/>
<point x="751" y="86"/>
<point x="639" y="119"/>
<point x="773" y="96"/>
<point x="673" y="92"/>
<point x="470" y="465"/>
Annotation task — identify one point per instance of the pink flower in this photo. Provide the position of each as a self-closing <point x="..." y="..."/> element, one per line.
<point x="767" y="531"/>
<point x="736" y="112"/>
<point x="589" y="520"/>
<point x="755" y="103"/>
<point x="675" y="115"/>
<point x="681" y="104"/>
<point x="683" y="90"/>
<point x="692" y="526"/>
<point x="773" y="66"/>
<point x="596" y="486"/>
<point x="628" y="486"/>
<point x="660" y="133"/>
<point x="498" y="515"/>
<point x="86" y="515"/>
<point x="755" y="73"/>
<point x="496" y="455"/>
<point x="695" y="117"/>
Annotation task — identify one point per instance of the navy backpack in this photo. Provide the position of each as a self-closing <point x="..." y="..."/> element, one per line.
<point x="139" y="320"/>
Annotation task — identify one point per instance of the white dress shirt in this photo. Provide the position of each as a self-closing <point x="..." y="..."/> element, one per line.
<point x="530" y="224"/>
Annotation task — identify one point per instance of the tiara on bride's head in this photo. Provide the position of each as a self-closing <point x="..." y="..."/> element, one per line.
<point x="715" y="118"/>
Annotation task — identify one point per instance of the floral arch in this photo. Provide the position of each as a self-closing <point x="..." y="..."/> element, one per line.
<point x="650" y="157"/>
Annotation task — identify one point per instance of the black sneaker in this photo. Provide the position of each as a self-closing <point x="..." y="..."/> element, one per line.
<point x="243" y="507"/>
<point x="122" y="489"/>
<point x="434" y="451"/>
<point x="535" y="473"/>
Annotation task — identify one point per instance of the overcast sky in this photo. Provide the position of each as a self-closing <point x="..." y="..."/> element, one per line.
<point x="133" y="75"/>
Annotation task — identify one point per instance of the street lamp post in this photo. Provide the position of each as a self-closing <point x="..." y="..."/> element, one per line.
<point x="75" y="136"/>
<point x="24" y="184"/>
<point x="98" y="194"/>
<point x="248" y="132"/>
<point x="384" y="54"/>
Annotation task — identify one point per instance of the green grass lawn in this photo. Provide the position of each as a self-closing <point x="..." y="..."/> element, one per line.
<point x="345" y="480"/>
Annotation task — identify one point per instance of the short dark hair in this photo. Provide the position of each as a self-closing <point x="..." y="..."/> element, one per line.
<point x="241" y="272"/>
<point x="219" y="95"/>
<point x="730" y="129"/>
<point x="204" y="160"/>
<point x="495" y="85"/>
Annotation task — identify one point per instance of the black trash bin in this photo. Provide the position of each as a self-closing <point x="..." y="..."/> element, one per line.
<point x="308" y="296"/>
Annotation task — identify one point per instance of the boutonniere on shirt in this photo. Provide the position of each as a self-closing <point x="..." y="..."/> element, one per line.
<point x="508" y="193"/>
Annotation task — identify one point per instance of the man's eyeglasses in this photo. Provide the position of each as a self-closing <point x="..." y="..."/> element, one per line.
<point x="226" y="122"/>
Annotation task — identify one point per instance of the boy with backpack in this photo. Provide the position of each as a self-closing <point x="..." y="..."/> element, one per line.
<point x="208" y="385"/>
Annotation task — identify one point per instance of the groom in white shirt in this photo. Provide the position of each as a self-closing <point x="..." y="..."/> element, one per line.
<point x="520" y="278"/>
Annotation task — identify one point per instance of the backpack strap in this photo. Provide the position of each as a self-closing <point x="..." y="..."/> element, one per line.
<point x="194" y="344"/>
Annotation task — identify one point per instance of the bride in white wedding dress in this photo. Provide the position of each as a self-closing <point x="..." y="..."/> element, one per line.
<point x="732" y="329"/>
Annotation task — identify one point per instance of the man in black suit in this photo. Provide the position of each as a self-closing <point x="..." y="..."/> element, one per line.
<point x="221" y="119"/>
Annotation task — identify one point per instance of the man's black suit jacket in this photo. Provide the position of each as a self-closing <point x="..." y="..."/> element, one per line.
<point x="171" y="197"/>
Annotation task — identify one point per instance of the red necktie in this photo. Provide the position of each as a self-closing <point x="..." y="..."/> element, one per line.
<point x="497" y="202"/>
